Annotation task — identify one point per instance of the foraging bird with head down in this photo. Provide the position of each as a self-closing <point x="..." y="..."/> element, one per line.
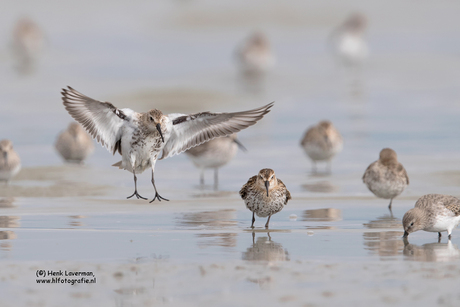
<point x="433" y="213"/>
<point x="140" y="137"/>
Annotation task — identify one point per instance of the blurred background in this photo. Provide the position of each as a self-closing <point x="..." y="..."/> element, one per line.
<point x="183" y="56"/>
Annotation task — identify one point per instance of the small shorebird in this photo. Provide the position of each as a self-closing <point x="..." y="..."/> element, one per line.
<point x="140" y="137"/>
<point x="348" y="40"/>
<point x="74" y="144"/>
<point x="10" y="164"/>
<point x="265" y="195"/>
<point x="386" y="177"/>
<point x="321" y="143"/>
<point x="254" y="56"/>
<point x="433" y="213"/>
<point x="214" y="154"/>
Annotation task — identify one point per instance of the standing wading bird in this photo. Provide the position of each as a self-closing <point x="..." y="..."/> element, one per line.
<point x="265" y="195"/>
<point x="74" y="144"/>
<point x="214" y="154"/>
<point x="348" y="40"/>
<point x="10" y="164"/>
<point x="140" y="137"/>
<point x="255" y="56"/>
<point x="27" y="43"/>
<point x="386" y="177"/>
<point x="321" y="143"/>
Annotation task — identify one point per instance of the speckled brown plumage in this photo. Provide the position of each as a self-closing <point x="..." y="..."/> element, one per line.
<point x="265" y="195"/>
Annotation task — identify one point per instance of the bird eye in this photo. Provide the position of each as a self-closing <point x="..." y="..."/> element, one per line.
<point x="411" y="224"/>
<point x="151" y="118"/>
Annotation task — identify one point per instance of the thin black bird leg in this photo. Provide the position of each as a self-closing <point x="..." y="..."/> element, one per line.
<point x="216" y="179"/>
<point x="135" y="188"/>
<point x="253" y="220"/>
<point x="156" y="193"/>
<point x="268" y="221"/>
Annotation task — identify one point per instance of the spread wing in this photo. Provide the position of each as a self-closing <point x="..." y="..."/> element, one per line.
<point x="101" y="119"/>
<point x="194" y="129"/>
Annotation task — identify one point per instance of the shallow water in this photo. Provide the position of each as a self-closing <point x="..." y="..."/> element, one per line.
<point x="333" y="240"/>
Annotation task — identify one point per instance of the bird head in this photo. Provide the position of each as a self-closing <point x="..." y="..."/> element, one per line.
<point x="155" y="121"/>
<point x="266" y="180"/>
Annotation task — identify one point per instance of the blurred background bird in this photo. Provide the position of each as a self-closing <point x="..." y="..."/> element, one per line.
<point x="348" y="42"/>
<point x="386" y="177"/>
<point x="254" y="56"/>
<point x="28" y="40"/>
<point x="10" y="163"/>
<point x="74" y="144"/>
<point x="321" y="143"/>
<point x="214" y="154"/>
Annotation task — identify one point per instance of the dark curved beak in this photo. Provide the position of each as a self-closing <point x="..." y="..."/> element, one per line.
<point x="240" y="145"/>
<point x="161" y="134"/>
<point x="406" y="234"/>
<point x="267" y="184"/>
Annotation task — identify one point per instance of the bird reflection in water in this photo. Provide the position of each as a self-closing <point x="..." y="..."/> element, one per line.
<point x="210" y="220"/>
<point x="264" y="249"/>
<point x="384" y="221"/>
<point x="384" y="243"/>
<point x="76" y="220"/>
<point x="321" y="215"/>
<point x="5" y="236"/>
<point x="431" y="252"/>
<point x="320" y="187"/>
<point x="9" y="221"/>
<point x="7" y="202"/>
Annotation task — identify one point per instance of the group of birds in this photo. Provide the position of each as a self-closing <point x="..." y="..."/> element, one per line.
<point x="209" y="139"/>
<point x="140" y="138"/>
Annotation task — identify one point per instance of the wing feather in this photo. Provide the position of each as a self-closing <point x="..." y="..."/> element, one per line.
<point x="194" y="129"/>
<point x="102" y="120"/>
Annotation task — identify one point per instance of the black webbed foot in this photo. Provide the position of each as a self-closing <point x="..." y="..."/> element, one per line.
<point x="137" y="195"/>
<point x="159" y="197"/>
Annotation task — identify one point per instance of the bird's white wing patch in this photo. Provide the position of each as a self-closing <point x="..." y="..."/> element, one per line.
<point x="101" y="119"/>
<point x="194" y="129"/>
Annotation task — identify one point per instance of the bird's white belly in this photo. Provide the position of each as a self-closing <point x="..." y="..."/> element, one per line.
<point x="6" y="175"/>
<point x="139" y="155"/>
<point x="443" y="223"/>
<point x="352" y="49"/>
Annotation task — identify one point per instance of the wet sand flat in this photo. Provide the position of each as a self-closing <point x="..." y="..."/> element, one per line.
<point x="169" y="253"/>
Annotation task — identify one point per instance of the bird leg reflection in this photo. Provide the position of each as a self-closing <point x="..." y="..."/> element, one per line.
<point x="216" y="179"/>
